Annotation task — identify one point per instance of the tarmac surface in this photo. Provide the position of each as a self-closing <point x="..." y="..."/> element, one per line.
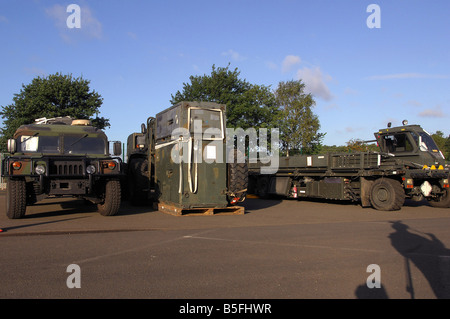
<point x="278" y="249"/>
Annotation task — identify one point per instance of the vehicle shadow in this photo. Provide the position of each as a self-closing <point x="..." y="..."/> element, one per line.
<point x="426" y="252"/>
<point x="422" y="250"/>
<point x="254" y="203"/>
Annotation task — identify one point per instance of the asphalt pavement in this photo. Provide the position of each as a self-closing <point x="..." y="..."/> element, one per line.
<point x="278" y="249"/>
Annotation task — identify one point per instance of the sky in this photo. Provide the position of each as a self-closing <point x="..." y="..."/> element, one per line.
<point x="365" y="65"/>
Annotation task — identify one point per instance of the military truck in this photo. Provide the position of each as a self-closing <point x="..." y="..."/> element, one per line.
<point x="177" y="162"/>
<point x="62" y="157"/>
<point x="408" y="165"/>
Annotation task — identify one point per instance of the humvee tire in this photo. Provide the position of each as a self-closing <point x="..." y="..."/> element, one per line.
<point x="111" y="204"/>
<point x="16" y="198"/>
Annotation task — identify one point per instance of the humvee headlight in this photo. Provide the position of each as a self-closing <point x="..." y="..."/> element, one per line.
<point x="112" y="165"/>
<point x="90" y="169"/>
<point x="40" y="169"/>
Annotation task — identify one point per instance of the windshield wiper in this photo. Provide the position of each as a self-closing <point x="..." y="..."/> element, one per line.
<point x="84" y="136"/>
<point x="29" y="137"/>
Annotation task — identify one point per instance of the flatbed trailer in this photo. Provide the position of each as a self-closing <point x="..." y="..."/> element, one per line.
<point x="408" y="165"/>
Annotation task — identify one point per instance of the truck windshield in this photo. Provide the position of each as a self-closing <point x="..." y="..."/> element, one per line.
<point x="39" y="144"/>
<point x="426" y="144"/>
<point x="83" y="144"/>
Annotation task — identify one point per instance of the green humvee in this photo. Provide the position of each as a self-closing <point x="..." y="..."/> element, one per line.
<point x="61" y="157"/>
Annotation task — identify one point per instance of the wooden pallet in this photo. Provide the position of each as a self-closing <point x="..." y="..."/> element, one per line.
<point x="206" y="211"/>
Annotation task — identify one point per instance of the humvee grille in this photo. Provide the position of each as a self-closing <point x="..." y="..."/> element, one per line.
<point x="67" y="168"/>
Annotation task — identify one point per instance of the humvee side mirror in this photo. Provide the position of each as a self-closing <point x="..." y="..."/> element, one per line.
<point x="12" y="146"/>
<point x="117" y="148"/>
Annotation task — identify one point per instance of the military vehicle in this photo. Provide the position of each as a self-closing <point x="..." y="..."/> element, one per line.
<point x="61" y="157"/>
<point x="408" y="165"/>
<point x="178" y="162"/>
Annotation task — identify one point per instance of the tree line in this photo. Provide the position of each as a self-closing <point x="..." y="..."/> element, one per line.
<point x="287" y="107"/>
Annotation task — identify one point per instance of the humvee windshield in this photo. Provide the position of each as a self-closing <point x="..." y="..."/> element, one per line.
<point x="73" y="144"/>
<point x="82" y="144"/>
<point x="39" y="144"/>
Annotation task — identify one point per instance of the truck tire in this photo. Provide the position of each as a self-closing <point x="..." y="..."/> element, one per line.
<point x="112" y="199"/>
<point x="237" y="181"/>
<point x="387" y="194"/>
<point x="443" y="201"/>
<point x="16" y="198"/>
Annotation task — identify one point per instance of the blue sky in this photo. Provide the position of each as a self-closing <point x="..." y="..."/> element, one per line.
<point x="137" y="53"/>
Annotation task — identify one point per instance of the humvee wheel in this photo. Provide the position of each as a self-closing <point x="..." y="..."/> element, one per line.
<point x="387" y="194"/>
<point x="112" y="199"/>
<point x="443" y="201"/>
<point x="16" y="198"/>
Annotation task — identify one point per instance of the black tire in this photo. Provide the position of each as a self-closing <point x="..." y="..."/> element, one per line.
<point x="112" y="199"/>
<point x="237" y="180"/>
<point x="443" y="201"/>
<point x="387" y="194"/>
<point x="262" y="187"/>
<point x="16" y="199"/>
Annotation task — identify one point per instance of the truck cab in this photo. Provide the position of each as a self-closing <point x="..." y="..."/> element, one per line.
<point x="410" y="144"/>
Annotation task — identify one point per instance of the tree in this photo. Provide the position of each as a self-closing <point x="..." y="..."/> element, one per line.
<point x="357" y="145"/>
<point x="299" y="126"/>
<point x="248" y="105"/>
<point x="443" y="143"/>
<point x="53" y="96"/>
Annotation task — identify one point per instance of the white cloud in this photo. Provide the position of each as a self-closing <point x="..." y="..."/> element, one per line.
<point x="34" y="71"/>
<point x="315" y="82"/>
<point x="408" y="76"/>
<point x="436" y="112"/>
<point x="271" y="65"/>
<point x="289" y="62"/>
<point x="4" y="19"/>
<point x="234" y="55"/>
<point x="90" y="26"/>
<point x="413" y="103"/>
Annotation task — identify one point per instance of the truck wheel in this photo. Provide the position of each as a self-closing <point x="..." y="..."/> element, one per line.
<point x="387" y="194"/>
<point x="237" y="180"/>
<point x="443" y="201"/>
<point x="112" y="199"/>
<point x="16" y="199"/>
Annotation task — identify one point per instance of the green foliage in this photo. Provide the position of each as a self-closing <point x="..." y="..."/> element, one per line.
<point x="53" y="96"/>
<point x="248" y="105"/>
<point x="443" y="143"/>
<point x="298" y="124"/>
<point x="357" y="145"/>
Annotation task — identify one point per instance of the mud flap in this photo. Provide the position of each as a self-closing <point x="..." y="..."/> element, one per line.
<point x="366" y="186"/>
